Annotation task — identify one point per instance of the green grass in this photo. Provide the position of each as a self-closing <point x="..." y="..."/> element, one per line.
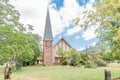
<point x="62" y="73"/>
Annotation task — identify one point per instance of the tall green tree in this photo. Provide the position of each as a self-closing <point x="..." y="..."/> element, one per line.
<point x="106" y="17"/>
<point x="15" y="43"/>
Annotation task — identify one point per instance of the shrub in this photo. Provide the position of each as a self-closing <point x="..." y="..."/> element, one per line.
<point x="74" y="57"/>
<point x="100" y="63"/>
<point x="79" y="65"/>
<point x="90" y="64"/>
<point x="82" y="62"/>
<point x="64" y="62"/>
<point x="118" y="61"/>
<point x="74" y="62"/>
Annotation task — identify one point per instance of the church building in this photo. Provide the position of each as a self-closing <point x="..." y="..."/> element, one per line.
<point x="50" y="51"/>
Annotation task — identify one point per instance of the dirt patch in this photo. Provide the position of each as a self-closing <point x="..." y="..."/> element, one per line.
<point x="116" y="79"/>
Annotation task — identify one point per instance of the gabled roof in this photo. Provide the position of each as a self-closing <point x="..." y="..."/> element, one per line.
<point x="65" y="42"/>
<point x="48" y="30"/>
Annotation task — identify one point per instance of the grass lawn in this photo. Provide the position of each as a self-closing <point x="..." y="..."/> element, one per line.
<point x="62" y="73"/>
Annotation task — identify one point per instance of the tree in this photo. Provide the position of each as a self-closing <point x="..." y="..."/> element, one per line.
<point x="103" y="50"/>
<point x="34" y="43"/>
<point x="105" y="16"/>
<point x="111" y="25"/>
<point x="15" y="43"/>
<point x="74" y="57"/>
<point x="61" y="52"/>
<point x="8" y="22"/>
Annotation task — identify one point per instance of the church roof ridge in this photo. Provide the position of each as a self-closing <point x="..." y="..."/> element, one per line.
<point x="65" y="41"/>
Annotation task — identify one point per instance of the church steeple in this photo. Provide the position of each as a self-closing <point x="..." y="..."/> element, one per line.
<point x="48" y="30"/>
<point x="48" y="54"/>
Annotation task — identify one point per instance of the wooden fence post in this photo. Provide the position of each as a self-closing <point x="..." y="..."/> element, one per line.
<point x="107" y="75"/>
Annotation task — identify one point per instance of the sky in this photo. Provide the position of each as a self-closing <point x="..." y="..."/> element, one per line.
<point x="62" y="13"/>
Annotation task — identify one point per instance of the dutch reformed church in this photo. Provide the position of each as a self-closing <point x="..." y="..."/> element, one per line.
<point x="50" y="51"/>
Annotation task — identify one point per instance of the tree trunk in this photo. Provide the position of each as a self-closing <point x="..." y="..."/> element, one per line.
<point x="7" y="72"/>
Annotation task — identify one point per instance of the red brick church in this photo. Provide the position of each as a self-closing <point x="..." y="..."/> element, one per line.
<point x="50" y="56"/>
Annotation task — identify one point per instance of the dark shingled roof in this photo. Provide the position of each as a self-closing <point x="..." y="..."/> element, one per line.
<point x="48" y="31"/>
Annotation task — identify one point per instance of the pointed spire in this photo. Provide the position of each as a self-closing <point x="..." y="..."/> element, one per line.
<point x="48" y="30"/>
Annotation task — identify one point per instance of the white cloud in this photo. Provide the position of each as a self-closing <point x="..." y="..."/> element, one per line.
<point x="56" y="22"/>
<point x="92" y="44"/>
<point x="70" y="11"/>
<point x="63" y="18"/>
<point x="82" y="48"/>
<point x="34" y="12"/>
<point x="90" y="33"/>
<point x="77" y="37"/>
<point x="73" y="30"/>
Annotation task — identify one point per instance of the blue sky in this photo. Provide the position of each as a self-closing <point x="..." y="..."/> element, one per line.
<point x="75" y="43"/>
<point x="59" y="3"/>
<point x="62" y="12"/>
